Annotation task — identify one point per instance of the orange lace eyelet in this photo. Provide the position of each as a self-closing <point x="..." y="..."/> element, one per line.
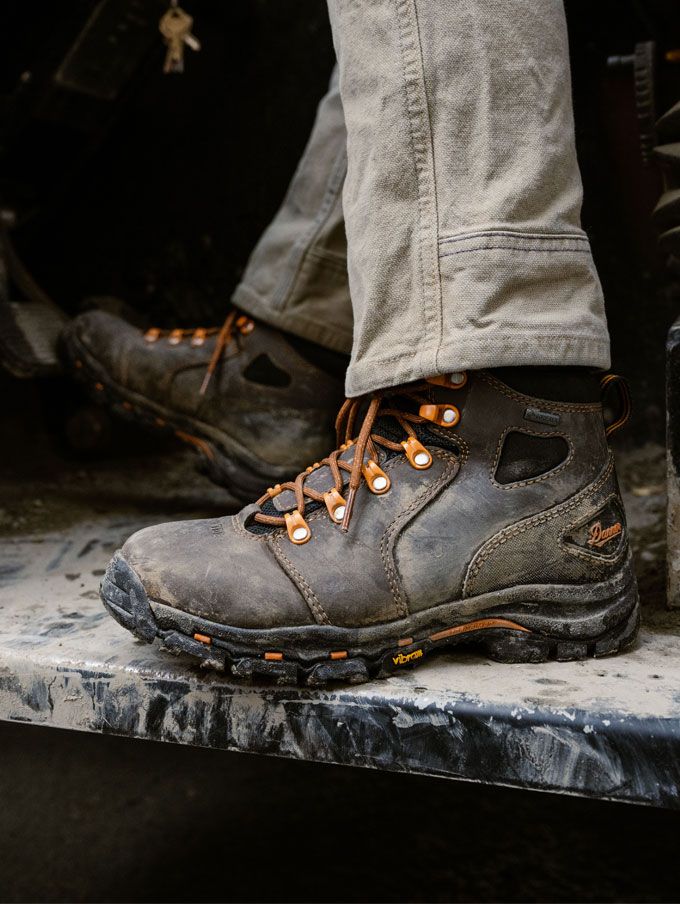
<point x="275" y="490"/>
<point x="175" y="337"/>
<point x="418" y="456"/>
<point x="378" y="482"/>
<point x="245" y="325"/>
<point x="335" y="504"/>
<point x="152" y="334"/>
<point x="442" y="415"/>
<point x="451" y="381"/>
<point x="297" y="527"/>
<point x="198" y="338"/>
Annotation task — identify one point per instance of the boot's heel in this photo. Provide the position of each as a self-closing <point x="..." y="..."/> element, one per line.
<point x="514" y="646"/>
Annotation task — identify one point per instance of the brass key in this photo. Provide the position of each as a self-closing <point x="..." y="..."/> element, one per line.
<point x="175" y="26"/>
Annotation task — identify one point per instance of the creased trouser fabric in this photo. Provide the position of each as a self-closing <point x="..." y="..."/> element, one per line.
<point x="461" y="198"/>
<point x="296" y="278"/>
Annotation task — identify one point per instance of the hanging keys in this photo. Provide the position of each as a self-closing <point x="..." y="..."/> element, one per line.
<point x="175" y="26"/>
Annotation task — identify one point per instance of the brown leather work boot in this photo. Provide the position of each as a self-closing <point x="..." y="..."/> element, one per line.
<point x="248" y="397"/>
<point x="458" y="510"/>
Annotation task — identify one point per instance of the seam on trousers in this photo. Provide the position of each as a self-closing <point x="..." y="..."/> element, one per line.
<point x="420" y="130"/>
<point x="511" y="240"/>
<point x="514" y="234"/>
<point x="299" y="250"/>
<point x="530" y="248"/>
<point x="330" y="256"/>
<point x="326" y="260"/>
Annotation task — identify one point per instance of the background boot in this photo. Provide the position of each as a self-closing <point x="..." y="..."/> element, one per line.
<point x="462" y="511"/>
<point x="256" y="403"/>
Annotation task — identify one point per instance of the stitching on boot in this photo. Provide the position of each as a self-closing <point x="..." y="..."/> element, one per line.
<point x="530" y="480"/>
<point x="403" y="518"/>
<point x="453" y="437"/>
<point x="298" y="579"/>
<point x="524" y="399"/>
<point x="507" y="533"/>
<point x="391" y="575"/>
<point x="242" y="532"/>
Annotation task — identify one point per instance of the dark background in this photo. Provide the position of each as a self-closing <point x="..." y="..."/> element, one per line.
<point x="158" y="197"/>
<point x="112" y="819"/>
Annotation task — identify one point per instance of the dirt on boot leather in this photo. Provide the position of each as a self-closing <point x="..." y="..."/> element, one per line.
<point x="458" y="510"/>
<point x="243" y="395"/>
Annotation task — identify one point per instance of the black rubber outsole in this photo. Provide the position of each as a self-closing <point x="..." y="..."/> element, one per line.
<point x="500" y="639"/>
<point x="220" y="465"/>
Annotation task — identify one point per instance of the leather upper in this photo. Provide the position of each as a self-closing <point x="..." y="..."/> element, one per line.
<point x="438" y="535"/>
<point x="281" y="425"/>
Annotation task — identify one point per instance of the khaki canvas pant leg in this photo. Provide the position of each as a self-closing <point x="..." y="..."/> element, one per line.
<point x="462" y="196"/>
<point x="296" y="278"/>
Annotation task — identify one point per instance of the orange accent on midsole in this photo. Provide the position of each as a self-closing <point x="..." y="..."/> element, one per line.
<point x="479" y="626"/>
<point x="203" y="638"/>
<point x="273" y="657"/>
<point x="405" y="642"/>
<point x="340" y="654"/>
<point x="200" y="444"/>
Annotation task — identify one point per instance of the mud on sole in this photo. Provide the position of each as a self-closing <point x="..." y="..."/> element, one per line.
<point x="318" y="655"/>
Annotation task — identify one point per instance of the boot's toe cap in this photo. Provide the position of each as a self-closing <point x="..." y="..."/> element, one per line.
<point x="215" y="570"/>
<point x="102" y="339"/>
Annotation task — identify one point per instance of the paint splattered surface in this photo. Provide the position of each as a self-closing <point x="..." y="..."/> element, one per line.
<point x="606" y="728"/>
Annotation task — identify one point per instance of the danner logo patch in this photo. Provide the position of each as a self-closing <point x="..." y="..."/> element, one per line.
<point x="598" y="535"/>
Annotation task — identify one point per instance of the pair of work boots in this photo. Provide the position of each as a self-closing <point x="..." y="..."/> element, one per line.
<point x="479" y="507"/>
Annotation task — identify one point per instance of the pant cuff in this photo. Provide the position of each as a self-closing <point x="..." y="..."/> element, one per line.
<point x="531" y="349"/>
<point x="328" y="335"/>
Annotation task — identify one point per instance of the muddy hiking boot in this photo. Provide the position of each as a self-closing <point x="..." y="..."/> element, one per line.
<point x="254" y="402"/>
<point x="455" y="511"/>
